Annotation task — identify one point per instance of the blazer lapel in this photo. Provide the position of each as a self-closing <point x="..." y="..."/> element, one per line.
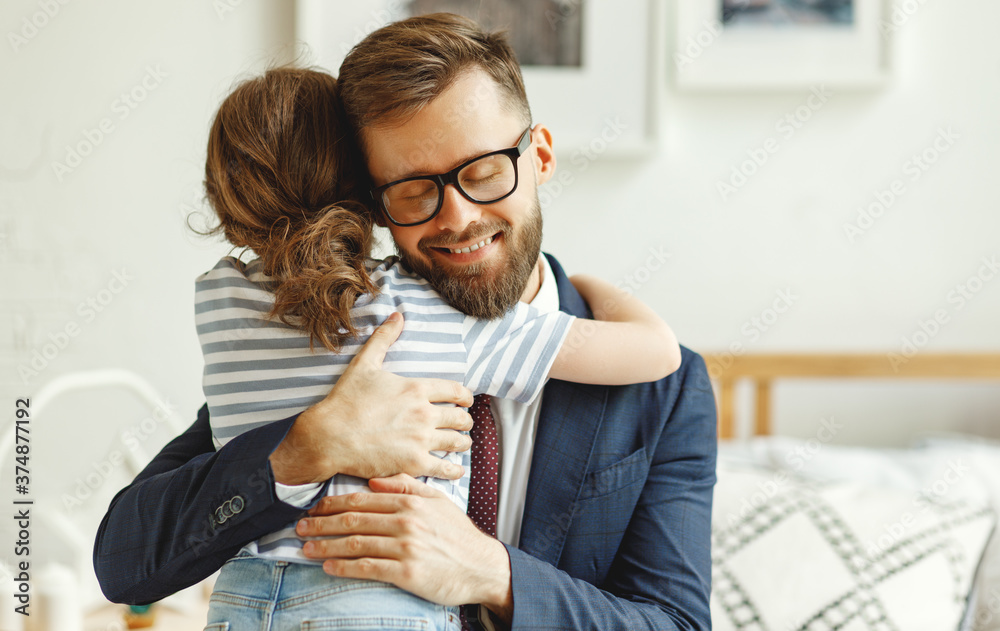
<point x="570" y="418"/>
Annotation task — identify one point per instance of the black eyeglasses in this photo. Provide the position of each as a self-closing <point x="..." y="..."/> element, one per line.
<point x="482" y="180"/>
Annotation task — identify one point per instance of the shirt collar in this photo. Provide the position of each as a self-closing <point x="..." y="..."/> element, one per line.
<point x="547" y="298"/>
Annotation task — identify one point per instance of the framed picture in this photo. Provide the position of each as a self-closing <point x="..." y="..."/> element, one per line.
<point x="589" y="66"/>
<point x="780" y="44"/>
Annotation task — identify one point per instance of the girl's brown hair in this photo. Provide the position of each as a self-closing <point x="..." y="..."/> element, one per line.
<point x="282" y="173"/>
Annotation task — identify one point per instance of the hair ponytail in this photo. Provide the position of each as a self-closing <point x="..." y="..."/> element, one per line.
<point x="281" y="175"/>
<point x="321" y="267"/>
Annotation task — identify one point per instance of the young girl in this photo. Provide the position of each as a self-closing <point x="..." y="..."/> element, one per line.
<point x="279" y="330"/>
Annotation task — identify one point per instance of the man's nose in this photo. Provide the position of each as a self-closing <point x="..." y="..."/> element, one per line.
<point x="456" y="211"/>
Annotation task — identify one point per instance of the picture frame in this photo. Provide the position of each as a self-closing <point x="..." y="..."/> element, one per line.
<point x="709" y="56"/>
<point x="605" y="108"/>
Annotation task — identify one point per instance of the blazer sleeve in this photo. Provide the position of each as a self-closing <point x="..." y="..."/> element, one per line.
<point x="661" y="573"/>
<point x="188" y="512"/>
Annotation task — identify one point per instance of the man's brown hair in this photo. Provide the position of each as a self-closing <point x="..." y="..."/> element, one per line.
<point x="399" y="68"/>
<point x="281" y="175"/>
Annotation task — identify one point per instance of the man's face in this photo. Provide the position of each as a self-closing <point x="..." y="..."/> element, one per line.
<point x="466" y="121"/>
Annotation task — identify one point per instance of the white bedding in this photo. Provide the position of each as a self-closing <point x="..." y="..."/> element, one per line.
<point x="947" y="470"/>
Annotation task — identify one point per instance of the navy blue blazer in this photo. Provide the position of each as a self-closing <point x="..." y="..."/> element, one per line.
<point x="616" y="526"/>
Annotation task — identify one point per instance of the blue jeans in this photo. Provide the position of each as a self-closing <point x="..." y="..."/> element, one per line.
<point x="258" y="594"/>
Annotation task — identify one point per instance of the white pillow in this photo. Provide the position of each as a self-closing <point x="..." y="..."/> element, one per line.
<point x="791" y="554"/>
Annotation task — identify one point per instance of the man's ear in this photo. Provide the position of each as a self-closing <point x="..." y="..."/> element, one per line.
<point x="544" y="156"/>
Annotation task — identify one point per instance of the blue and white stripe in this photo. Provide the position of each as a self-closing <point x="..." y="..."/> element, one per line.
<point x="258" y="370"/>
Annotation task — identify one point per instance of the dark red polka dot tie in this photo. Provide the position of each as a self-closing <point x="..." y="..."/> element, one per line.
<point x="484" y="482"/>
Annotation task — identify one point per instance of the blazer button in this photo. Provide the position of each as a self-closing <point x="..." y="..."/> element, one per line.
<point x="229" y="508"/>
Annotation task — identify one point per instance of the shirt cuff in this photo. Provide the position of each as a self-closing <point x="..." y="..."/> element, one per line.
<point x="298" y="495"/>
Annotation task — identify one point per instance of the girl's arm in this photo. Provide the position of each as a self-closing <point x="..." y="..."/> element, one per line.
<point x="626" y="343"/>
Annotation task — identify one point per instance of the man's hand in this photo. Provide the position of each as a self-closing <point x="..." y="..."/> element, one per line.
<point x="376" y="424"/>
<point x="414" y="537"/>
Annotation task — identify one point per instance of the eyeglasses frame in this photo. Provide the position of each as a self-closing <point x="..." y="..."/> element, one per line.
<point x="451" y="177"/>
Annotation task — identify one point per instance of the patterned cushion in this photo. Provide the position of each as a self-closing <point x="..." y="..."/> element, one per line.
<point x="795" y="555"/>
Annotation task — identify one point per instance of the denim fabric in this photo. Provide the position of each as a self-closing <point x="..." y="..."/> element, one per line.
<point x="257" y="594"/>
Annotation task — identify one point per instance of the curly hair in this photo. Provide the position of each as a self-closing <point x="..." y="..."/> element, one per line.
<point x="283" y="175"/>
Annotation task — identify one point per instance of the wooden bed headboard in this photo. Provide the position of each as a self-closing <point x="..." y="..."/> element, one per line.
<point x="762" y="370"/>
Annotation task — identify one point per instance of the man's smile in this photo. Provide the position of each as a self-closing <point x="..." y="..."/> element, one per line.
<point x="469" y="252"/>
<point x="471" y="248"/>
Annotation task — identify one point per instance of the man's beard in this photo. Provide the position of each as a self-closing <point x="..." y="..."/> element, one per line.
<point x="489" y="289"/>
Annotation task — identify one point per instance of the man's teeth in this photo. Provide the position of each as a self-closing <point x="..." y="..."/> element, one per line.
<point x="472" y="248"/>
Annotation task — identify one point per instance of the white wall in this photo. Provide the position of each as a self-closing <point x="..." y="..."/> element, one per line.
<point x="65" y="235"/>
<point x="62" y="240"/>
<point x="783" y="230"/>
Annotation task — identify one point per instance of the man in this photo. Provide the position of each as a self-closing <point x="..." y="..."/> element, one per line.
<point x="605" y="492"/>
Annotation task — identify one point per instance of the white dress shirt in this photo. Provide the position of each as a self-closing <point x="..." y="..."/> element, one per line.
<point x="516" y="425"/>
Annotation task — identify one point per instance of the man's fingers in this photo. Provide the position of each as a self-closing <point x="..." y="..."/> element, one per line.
<point x="440" y="468"/>
<point x="347" y="524"/>
<point x="455" y="418"/>
<point x="403" y="484"/>
<point x="447" y="391"/>
<point x="450" y="440"/>
<point x="353" y="547"/>
<point x="364" y="502"/>
<point x="372" y="354"/>
<point x="385" y="570"/>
